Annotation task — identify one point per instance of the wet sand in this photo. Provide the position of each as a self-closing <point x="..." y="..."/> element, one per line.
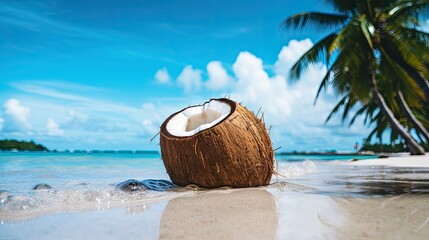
<point x="260" y="213"/>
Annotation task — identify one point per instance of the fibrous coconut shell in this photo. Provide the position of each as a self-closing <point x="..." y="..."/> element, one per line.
<point x="236" y="152"/>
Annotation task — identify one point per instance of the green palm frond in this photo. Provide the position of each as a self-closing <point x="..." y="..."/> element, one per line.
<point x="323" y="84"/>
<point x="339" y="69"/>
<point x="394" y="78"/>
<point x="369" y="115"/>
<point x="409" y="44"/>
<point x="313" y="55"/>
<point x="380" y="126"/>
<point x="318" y="20"/>
<point x="366" y="32"/>
<point x="358" y="113"/>
<point x="406" y="81"/>
<point x="349" y="71"/>
<point x="337" y="107"/>
<point x="371" y="135"/>
<point x="347" y="107"/>
<point x="346" y="7"/>
<point x="422" y="115"/>
<point x="410" y="7"/>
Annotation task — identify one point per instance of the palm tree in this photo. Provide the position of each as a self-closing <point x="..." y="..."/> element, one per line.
<point x="373" y="116"/>
<point x="369" y="37"/>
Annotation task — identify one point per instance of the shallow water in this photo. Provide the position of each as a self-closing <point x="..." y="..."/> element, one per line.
<point x="318" y="199"/>
<point x="357" y="181"/>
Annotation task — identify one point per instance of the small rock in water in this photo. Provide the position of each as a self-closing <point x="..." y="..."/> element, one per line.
<point x="158" y="184"/>
<point x="4" y="196"/>
<point x="42" y="186"/>
<point x="4" y="193"/>
<point x="131" y="185"/>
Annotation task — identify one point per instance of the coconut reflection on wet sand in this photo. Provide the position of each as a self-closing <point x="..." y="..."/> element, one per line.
<point x="318" y="200"/>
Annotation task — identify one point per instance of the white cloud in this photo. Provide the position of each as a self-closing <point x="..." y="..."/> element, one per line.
<point x="162" y="76"/>
<point x="190" y="79"/>
<point x="14" y="108"/>
<point x="15" y="116"/>
<point x="53" y="128"/>
<point x="1" y="123"/>
<point x="281" y="102"/>
<point x="290" y="54"/>
<point x="256" y="88"/>
<point x="218" y="77"/>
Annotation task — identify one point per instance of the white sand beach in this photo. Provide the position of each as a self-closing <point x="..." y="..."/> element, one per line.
<point x="398" y="160"/>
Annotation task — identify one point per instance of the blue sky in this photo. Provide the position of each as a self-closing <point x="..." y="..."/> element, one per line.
<point x="105" y="74"/>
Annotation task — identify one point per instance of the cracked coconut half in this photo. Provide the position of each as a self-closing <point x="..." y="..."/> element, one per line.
<point x="219" y="143"/>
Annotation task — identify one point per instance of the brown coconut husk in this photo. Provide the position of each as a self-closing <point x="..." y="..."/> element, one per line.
<point x="236" y="152"/>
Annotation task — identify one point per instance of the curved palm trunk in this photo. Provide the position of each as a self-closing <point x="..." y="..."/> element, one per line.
<point x="410" y="116"/>
<point x="422" y="141"/>
<point x="415" y="148"/>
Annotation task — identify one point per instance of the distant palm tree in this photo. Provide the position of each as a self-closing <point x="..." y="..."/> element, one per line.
<point x="371" y="43"/>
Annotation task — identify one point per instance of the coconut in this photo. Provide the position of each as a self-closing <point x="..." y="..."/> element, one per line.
<point x="219" y="143"/>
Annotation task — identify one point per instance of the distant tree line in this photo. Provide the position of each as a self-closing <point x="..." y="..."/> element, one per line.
<point x="386" y="148"/>
<point x="9" y="145"/>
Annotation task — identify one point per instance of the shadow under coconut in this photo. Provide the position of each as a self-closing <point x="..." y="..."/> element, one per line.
<point x="221" y="214"/>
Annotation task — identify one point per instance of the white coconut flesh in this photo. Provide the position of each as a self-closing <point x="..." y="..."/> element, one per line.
<point x="195" y="119"/>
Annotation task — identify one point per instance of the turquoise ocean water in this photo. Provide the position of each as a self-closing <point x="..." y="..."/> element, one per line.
<point x="19" y="172"/>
